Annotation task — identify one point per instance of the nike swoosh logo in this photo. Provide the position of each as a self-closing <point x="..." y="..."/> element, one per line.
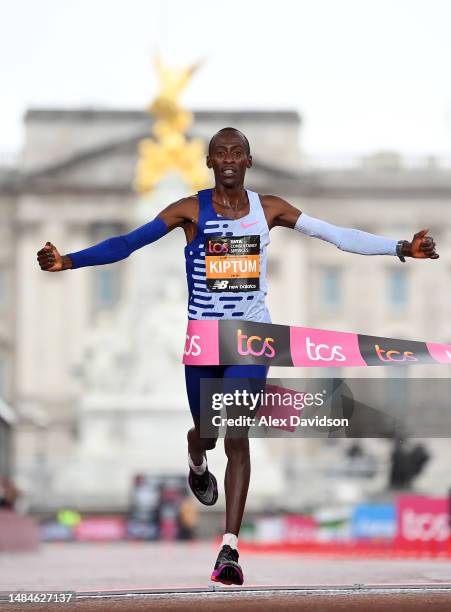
<point x="246" y="225"/>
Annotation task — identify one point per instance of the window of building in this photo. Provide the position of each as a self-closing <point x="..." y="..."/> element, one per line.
<point x="106" y="286"/>
<point x="107" y="277"/>
<point x="397" y="386"/>
<point x="397" y="287"/>
<point x="2" y="377"/>
<point x="331" y="289"/>
<point x="3" y="288"/>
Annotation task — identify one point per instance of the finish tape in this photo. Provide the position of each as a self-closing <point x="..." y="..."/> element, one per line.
<point x="246" y="342"/>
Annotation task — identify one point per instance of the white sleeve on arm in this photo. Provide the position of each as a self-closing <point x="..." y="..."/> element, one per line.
<point x="346" y="239"/>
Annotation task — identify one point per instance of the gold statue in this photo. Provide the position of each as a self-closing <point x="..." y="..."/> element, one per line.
<point x="169" y="149"/>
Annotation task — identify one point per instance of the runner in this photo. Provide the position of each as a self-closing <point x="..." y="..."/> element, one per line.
<point x="231" y="287"/>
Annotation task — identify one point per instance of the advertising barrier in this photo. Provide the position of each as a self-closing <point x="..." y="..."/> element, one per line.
<point x="414" y="526"/>
<point x="374" y="522"/>
<point x="103" y="528"/>
<point x="422" y="521"/>
<point x="246" y="342"/>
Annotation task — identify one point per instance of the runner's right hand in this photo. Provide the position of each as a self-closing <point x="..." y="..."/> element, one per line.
<point x="49" y="258"/>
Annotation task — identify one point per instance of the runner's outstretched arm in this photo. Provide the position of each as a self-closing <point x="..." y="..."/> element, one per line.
<point x="117" y="248"/>
<point x="348" y="239"/>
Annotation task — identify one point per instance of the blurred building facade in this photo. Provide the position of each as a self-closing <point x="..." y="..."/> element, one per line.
<point x="7" y="327"/>
<point x="72" y="187"/>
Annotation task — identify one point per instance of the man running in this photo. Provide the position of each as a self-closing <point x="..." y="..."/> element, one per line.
<point x="228" y="210"/>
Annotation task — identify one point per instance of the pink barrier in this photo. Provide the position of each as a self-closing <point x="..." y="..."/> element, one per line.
<point x="245" y="342"/>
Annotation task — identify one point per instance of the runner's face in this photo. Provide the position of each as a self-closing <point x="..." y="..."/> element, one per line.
<point x="229" y="159"/>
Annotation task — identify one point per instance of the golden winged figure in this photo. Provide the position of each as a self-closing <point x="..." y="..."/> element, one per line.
<point x="169" y="149"/>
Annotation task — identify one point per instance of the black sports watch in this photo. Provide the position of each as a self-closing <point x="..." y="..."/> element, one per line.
<point x="399" y="246"/>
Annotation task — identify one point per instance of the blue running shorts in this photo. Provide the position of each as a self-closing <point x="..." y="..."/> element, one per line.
<point x="254" y="380"/>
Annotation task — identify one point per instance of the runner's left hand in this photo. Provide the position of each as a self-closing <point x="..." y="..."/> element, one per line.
<point x="422" y="246"/>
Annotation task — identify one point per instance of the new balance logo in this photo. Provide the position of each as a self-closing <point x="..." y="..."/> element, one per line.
<point x="220" y="284"/>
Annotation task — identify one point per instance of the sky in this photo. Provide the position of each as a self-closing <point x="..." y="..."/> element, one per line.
<point x="365" y="75"/>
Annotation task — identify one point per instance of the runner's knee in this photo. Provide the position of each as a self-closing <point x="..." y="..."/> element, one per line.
<point x="208" y="443"/>
<point x="236" y="446"/>
<point x="195" y="438"/>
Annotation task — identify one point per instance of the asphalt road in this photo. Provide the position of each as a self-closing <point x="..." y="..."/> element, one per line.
<point x="157" y="576"/>
<point x="375" y="599"/>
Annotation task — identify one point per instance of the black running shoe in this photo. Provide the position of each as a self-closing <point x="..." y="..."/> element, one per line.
<point x="204" y="487"/>
<point x="227" y="569"/>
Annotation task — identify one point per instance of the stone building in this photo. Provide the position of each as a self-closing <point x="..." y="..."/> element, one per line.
<point x="7" y="324"/>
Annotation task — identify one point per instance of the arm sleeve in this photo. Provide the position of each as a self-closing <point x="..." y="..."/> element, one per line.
<point x="119" y="247"/>
<point x="346" y="239"/>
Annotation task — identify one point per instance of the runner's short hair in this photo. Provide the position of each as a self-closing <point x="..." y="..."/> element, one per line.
<point x="228" y="129"/>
